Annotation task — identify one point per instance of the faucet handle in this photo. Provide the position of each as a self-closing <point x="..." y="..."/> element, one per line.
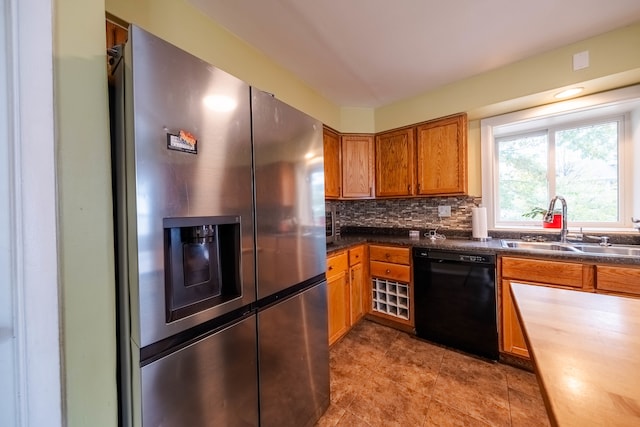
<point x="575" y="236"/>
<point x="604" y="241"/>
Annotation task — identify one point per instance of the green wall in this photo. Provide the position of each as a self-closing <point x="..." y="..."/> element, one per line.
<point x="614" y="63"/>
<point x="214" y="44"/>
<point x="85" y="233"/>
<point x="85" y="224"/>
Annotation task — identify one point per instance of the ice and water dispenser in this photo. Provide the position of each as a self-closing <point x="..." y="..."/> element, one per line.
<point x="202" y="263"/>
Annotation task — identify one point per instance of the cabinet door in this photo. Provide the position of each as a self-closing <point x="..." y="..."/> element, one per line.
<point x="357" y="166"/>
<point x="512" y="336"/>
<point x="331" y="164"/>
<point x="395" y="159"/>
<point x="115" y="34"/>
<point x="357" y="292"/>
<point x="620" y="280"/>
<point x="338" y="305"/>
<point x="441" y="147"/>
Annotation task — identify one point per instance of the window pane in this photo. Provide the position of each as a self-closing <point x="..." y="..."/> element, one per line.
<point x="522" y="175"/>
<point x="587" y="171"/>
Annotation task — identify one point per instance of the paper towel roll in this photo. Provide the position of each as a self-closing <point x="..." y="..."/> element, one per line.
<point x="479" y="223"/>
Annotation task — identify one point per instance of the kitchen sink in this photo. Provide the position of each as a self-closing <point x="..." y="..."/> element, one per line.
<point x="541" y="246"/>
<point x="610" y="250"/>
<point x="571" y="247"/>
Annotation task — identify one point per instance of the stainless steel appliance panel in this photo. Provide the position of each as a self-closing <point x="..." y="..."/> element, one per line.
<point x="330" y="224"/>
<point x="212" y="382"/>
<point x="168" y="91"/>
<point x="289" y="175"/>
<point x="294" y="360"/>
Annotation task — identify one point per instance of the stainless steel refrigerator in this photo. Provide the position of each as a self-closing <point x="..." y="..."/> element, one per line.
<point x="219" y="209"/>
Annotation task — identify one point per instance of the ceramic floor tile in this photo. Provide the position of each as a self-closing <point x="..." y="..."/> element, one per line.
<point x="478" y="373"/>
<point x="350" y="420"/>
<point x="441" y="415"/>
<point x="521" y="380"/>
<point x="381" y="402"/>
<point x="527" y="410"/>
<point x="331" y="417"/>
<point x="383" y="377"/>
<point x="344" y="377"/>
<point x="412" y="363"/>
<point x="472" y="398"/>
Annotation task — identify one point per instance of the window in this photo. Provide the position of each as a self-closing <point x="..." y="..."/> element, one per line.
<point x="583" y="154"/>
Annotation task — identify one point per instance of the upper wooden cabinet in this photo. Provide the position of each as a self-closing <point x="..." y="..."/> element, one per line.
<point x="332" y="170"/>
<point x="348" y="165"/>
<point x="395" y="161"/>
<point x="429" y="159"/>
<point x="441" y="148"/>
<point x="116" y="34"/>
<point x="357" y="166"/>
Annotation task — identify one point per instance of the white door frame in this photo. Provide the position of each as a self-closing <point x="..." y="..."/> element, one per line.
<point x="30" y="334"/>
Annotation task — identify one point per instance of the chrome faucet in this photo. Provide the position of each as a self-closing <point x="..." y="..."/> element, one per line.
<point x="549" y="216"/>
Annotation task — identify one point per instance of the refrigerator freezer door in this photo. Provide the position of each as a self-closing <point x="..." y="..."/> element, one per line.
<point x="294" y="360"/>
<point x="212" y="382"/>
<point x="186" y="152"/>
<point x="289" y="175"/>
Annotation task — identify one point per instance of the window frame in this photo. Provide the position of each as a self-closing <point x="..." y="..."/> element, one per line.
<point x="621" y="103"/>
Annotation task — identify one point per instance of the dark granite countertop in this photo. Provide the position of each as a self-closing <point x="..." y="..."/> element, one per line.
<point x="462" y="244"/>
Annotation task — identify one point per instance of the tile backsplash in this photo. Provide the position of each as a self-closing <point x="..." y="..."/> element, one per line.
<point x="392" y="216"/>
<point x="418" y="213"/>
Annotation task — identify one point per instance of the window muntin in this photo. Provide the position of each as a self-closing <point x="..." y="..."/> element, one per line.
<point x="522" y="175"/>
<point x="580" y="161"/>
<point x="588" y="171"/>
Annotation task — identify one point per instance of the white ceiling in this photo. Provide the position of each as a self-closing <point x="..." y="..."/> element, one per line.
<point x="368" y="53"/>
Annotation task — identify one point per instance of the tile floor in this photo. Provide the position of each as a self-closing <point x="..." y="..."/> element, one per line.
<point x="384" y="377"/>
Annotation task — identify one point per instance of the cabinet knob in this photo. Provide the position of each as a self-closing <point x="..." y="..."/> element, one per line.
<point x="330" y="267"/>
<point x="387" y="271"/>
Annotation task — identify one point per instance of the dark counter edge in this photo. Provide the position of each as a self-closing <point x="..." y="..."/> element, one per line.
<point x="462" y="242"/>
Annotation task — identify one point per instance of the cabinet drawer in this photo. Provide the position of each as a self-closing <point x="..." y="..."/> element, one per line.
<point x="618" y="279"/>
<point x="400" y="273"/>
<point x="356" y="255"/>
<point x="390" y="254"/>
<point x="337" y="264"/>
<point x="545" y="272"/>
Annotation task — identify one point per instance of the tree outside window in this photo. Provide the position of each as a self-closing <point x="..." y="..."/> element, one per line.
<point x="579" y="162"/>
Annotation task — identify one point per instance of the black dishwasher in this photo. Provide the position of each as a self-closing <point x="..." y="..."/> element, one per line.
<point x="455" y="300"/>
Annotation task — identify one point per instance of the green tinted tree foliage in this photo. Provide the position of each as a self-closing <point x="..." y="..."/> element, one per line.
<point x="586" y="172"/>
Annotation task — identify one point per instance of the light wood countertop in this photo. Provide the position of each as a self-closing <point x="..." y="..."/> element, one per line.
<point x="586" y="352"/>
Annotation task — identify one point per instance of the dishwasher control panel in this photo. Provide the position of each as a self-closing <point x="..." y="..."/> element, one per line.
<point x="454" y="256"/>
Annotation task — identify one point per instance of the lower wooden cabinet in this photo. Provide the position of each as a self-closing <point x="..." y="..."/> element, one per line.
<point x="345" y="290"/>
<point x="568" y="275"/>
<point x="338" y="296"/>
<point x="356" y="281"/>
<point x="618" y="280"/>
<point x="512" y="336"/>
<point x="391" y="289"/>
